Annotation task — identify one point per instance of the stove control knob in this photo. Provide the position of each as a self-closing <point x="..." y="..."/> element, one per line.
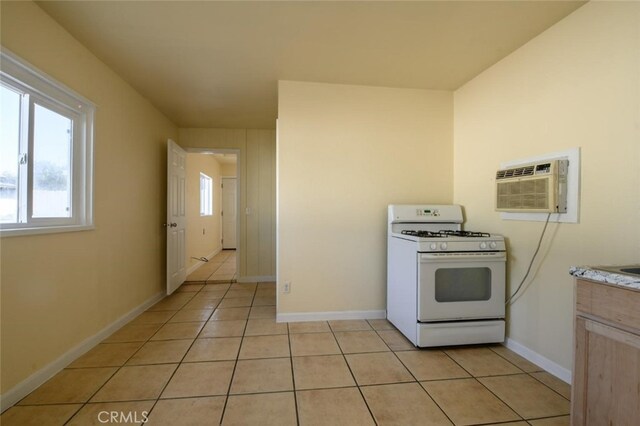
<point x="443" y="246"/>
<point x="433" y="246"/>
<point x="493" y="244"/>
<point x="483" y="245"/>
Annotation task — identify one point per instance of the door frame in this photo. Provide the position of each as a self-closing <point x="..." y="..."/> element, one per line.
<point x="238" y="177"/>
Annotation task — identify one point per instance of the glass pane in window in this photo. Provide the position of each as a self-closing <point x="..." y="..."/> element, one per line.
<point x="205" y="195"/>
<point x="208" y="198"/>
<point x="51" y="163"/>
<point x="9" y="149"/>
<point x="202" y="195"/>
<point x="463" y="284"/>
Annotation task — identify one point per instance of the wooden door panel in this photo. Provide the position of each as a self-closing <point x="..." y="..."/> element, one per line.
<point x="606" y="387"/>
<point x="176" y="216"/>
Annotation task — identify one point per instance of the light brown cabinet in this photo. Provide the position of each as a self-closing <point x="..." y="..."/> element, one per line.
<point x="606" y="373"/>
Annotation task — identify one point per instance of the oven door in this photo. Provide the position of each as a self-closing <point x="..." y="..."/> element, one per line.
<point x="461" y="286"/>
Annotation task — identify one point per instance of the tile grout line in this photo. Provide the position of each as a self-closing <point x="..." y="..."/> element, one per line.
<point x="516" y="374"/>
<point x="288" y="334"/>
<point x="186" y="352"/>
<point x="128" y="359"/>
<point x="168" y="363"/>
<point x="511" y="362"/>
<point x="522" y="372"/>
<point x="497" y="397"/>
<point x="117" y="368"/>
<point x="293" y="377"/>
<point x="483" y="385"/>
<point x="505" y="403"/>
<point x="498" y="423"/>
<point x="543" y="383"/>
<point x="352" y="375"/>
<point x="235" y="364"/>
<point x="546" y="417"/>
<point x="530" y="373"/>
<point x="414" y="377"/>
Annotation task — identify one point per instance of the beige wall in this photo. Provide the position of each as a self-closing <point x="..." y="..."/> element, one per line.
<point x="228" y="170"/>
<point x="576" y="85"/>
<point x="59" y="289"/>
<point x="345" y="153"/>
<point x="203" y="232"/>
<point x="256" y="170"/>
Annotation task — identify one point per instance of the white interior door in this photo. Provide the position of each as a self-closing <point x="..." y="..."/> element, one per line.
<point x="229" y="194"/>
<point x="176" y="216"/>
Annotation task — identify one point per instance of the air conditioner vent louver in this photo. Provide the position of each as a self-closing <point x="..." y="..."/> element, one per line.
<point x="520" y="171"/>
<point x="537" y="187"/>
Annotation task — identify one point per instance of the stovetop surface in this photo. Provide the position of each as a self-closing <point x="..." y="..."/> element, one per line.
<point x="445" y="234"/>
<point x="443" y="241"/>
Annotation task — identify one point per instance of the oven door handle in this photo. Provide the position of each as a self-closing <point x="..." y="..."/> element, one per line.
<point x="456" y="257"/>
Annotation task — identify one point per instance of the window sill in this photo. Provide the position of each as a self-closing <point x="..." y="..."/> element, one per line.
<point x="16" y="232"/>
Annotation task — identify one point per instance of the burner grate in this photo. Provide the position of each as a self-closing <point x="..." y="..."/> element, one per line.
<point x="423" y="234"/>
<point x="468" y="234"/>
<point x="445" y="234"/>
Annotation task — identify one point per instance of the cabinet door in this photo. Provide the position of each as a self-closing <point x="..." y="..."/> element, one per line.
<point x="606" y="379"/>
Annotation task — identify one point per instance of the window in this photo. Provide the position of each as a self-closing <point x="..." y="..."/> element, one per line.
<point x="206" y="195"/>
<point x="46" y="137"/>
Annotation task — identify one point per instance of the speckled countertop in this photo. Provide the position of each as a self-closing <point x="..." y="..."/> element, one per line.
<point x="606" y="277"/>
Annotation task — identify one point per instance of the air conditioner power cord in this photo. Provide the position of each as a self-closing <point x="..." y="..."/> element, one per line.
<point x="546" y="223"/>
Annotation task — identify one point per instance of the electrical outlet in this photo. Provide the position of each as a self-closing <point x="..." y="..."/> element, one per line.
<point x="286" y="288"/>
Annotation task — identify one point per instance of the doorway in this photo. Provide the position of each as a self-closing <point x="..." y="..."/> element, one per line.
<point x="211" y="257"/>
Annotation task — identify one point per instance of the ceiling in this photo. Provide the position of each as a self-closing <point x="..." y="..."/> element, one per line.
<point x="216" y="64"/>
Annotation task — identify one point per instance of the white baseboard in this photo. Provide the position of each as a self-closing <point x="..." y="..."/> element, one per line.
<point x="22" y="389"/>
<point x="333" y="315"/>
<point x="257" y="279"/>
<point x="199" y="263"/>
<point x="539" y="360"/>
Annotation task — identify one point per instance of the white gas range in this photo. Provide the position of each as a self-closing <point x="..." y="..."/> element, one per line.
<point x="445" y="286"/>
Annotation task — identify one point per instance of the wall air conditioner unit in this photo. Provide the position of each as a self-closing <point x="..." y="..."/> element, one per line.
<point x="537" y="187"/>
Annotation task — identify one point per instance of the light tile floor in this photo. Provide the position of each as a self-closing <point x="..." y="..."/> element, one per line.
<point x="219" y="269"/>
<point x="213" y="353"/>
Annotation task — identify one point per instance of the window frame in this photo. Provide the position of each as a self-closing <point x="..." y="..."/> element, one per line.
<point x="41" y="89"/>
<point x="208" y="209"/>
